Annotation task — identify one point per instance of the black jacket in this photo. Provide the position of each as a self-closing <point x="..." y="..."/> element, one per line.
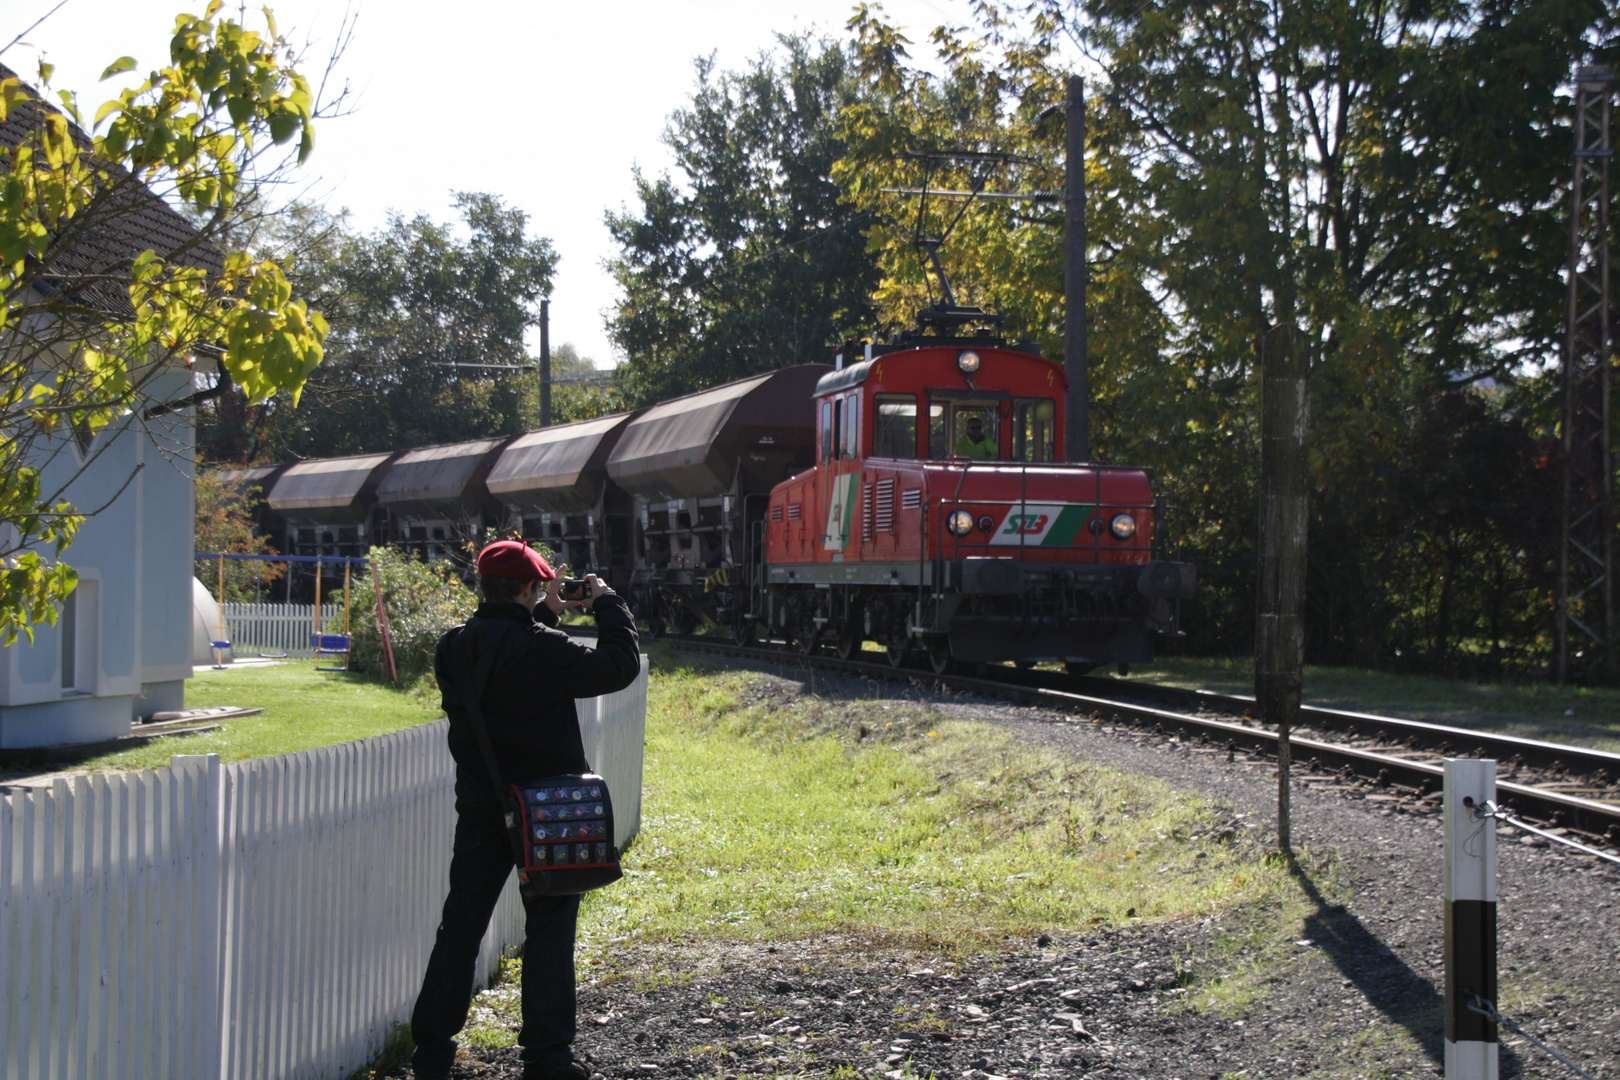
<point x="528" y="700"/>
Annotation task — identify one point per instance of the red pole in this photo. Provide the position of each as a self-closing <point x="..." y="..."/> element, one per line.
<point x="382" y="623"/>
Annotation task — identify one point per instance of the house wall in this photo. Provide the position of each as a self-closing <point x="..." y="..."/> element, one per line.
<point x="132" y="610"/>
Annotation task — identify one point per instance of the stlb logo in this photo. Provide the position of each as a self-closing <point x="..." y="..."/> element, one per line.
<point x="1024" y="525"/>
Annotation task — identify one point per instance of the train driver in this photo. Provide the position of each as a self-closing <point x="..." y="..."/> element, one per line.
<point x="974" y="443"/>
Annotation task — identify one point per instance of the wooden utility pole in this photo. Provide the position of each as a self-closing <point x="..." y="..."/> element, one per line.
<point x="545" y="363"/>
<point x="1077" y="429"/>
<point x="1280" y="607"/>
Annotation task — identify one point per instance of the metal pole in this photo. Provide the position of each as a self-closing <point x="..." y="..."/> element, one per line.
<point x="346" y="635"/>
<point x="545" y="363"/>
<point x="1586" y="555"/>
<point x="315" y="638"/>
<point x="220" y="653"/>
<point x="1077" y="425"/>
<point x="1470" y="895"/>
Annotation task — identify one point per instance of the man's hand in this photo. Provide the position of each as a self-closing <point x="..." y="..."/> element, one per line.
<point x="598" y="588"/>
<point x="554" y="600"/>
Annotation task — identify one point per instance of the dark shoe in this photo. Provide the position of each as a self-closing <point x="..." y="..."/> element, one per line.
<point x="537" y="1070"/>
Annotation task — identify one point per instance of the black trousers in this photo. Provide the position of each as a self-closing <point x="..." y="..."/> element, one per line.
<point x="479" y="866"/>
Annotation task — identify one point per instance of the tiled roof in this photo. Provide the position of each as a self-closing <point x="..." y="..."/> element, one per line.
<point x="129" y="220"/>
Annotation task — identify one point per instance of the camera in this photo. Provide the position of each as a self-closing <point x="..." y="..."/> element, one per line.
<point x="573" y="589"/>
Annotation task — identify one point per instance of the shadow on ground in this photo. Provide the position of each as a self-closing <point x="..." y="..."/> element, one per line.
<point x="1387" y="982"/>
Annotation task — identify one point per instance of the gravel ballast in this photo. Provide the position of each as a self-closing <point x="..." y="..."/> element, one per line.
<point x="1353" y="991"/>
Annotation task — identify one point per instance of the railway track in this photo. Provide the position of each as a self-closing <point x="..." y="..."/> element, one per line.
<point x="1554" y="786"/>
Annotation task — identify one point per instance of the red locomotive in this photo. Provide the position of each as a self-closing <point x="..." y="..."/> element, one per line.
<point x="940" y="518"/>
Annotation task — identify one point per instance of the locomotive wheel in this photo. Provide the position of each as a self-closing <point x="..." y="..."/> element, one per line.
<point x="807" y="642"/>
<point x="1079" y="669"/>
<point x="655" y="628"/>
<point x="847" y="646"/>
<point x="743" y="631"/>
<point x="896" y="655"/>
<point x="939" y="658"/>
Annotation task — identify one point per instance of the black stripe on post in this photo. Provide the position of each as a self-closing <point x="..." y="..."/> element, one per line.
<point x="1470" y="968"/>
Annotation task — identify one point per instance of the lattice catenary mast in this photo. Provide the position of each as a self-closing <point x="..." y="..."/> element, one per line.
<point x="1586" y="557"/>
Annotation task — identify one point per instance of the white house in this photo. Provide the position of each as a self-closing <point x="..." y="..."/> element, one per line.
<point x="122" y="646"/>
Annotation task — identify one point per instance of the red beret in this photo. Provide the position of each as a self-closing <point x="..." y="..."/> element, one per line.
<point x="514" y="559"/>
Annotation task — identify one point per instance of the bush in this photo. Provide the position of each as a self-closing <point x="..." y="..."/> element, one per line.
<point x="422" y="601"/>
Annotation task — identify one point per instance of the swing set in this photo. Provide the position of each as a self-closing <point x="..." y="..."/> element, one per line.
<point x="326" y="647"/>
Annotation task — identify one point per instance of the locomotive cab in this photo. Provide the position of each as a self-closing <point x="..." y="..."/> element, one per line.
<point x="940" y="519"/>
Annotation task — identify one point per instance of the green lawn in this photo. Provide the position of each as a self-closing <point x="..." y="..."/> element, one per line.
<point x="303" y="708"/>
<point x="1582" y="716"/>
<point x="770" y="818"/>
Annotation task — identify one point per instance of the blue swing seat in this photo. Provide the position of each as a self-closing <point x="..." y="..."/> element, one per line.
<point x="331" y="645"/>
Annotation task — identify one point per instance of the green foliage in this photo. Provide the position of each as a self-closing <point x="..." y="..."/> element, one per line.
<point x="748" y="260"/>
<point x="1388" y="180"/>
<point x="93" y="319"/>
<point x="408" y="304"/>
<point x="579" y="391"/>
<point x="422" y="601"/>
<point x="224" y="523"/>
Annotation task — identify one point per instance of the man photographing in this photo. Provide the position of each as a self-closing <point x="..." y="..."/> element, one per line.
<point x="526" y="674"/>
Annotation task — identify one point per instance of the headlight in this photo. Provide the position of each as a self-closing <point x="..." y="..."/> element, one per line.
<point x="1123" y="526"/>
<point x="967" y="362"/>
<point x="960" y="522"/>
<point x="986" y="523"/>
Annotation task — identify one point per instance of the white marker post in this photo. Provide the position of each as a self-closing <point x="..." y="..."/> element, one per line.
<point x="1470" y="796"/>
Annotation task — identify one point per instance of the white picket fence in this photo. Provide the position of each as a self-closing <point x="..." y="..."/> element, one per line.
<point x="255" y="920"/>
<point x="257" y="629"/>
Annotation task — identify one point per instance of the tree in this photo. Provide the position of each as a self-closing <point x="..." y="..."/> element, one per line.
<point x="749" y="261"/>
<point x="1382" y="184"/>
<point x="580" y="390"/>
<point x="427" y="334"/>
<point x="224" y="523"/>
<point x="98" y="304"/>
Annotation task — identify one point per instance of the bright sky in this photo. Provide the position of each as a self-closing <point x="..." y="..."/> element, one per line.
<point x="547" y="104"/>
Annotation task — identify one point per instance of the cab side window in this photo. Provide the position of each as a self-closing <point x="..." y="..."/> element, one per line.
<point x="894" y="434"/>
<point x="1034" y="429"/>
<point x="852" y="427"/>
<point x="826" y="430"/>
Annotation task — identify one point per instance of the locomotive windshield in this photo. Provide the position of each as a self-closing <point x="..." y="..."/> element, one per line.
<point x="969" y="429"/>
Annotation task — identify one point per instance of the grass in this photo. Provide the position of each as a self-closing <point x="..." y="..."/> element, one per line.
<point x="303" y="708"/>
<point x="1583" y="716"/>
<point x="771" y="818"/>
<point x="784" y="817"/>
<point x="766" y="817"/>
